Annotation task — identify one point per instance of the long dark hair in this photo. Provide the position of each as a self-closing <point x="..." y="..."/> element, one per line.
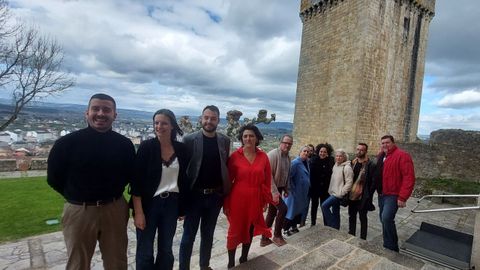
<point x="173" y="121"/>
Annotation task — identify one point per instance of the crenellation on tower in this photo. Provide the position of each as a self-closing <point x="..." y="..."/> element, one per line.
<point x="361" y="70"/>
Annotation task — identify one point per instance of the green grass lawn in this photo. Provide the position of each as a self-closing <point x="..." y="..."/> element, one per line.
<point x="26" y="204"/>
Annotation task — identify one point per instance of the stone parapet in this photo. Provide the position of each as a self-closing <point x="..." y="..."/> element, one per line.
<point x="10" y="165"/>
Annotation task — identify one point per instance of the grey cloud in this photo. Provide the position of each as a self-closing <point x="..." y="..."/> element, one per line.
<point x="263" y="19"/>
<point x="453" y="54"/>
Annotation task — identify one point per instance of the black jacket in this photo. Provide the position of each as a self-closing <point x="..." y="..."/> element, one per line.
<point x="369" y="187"/>
<point x="148" y="172"/>
<point x="320" y="174"/>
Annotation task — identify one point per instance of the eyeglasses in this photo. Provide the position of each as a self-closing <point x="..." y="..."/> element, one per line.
<point x="287" y="143"/>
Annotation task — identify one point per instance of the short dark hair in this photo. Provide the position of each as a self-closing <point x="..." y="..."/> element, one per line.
<point x="103" y="97"/>
<point x="388" y="137"/>
<point x="173" y="121"/>
<point x="253" y="128"/>
<point x="364" y="144"/>
<point x="212" y="108"/>
<point x="327" y="146"/>
<point x="286" y="135"/>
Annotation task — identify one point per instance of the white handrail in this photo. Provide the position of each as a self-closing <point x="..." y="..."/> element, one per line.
<point x="448" y="208"/>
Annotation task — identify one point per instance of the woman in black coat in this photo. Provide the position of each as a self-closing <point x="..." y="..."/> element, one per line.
<point x="321" y="166"/>
<point x="159" y="191"/>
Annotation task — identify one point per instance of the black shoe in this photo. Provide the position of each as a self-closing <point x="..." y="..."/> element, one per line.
<point x="287" y="233"/>
<point x="294" y="230"/>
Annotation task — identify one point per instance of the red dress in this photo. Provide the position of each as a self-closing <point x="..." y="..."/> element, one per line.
<point x="251" y="191"/>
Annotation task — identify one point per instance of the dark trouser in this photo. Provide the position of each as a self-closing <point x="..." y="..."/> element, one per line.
<point x="388" y="209"/>
<point x="313" y="211"/>
<point x="203" y="212"/>
<point x="290" y="224"/>
<point x="161" y="218"/>
<point x="352" y="219"/>
<point x="278" y="213"/>
<point x="83" y="226"/>
<point x="323" y="198"/>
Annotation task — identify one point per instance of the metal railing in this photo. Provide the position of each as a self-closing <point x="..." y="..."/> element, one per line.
<point x="448" y="208"/>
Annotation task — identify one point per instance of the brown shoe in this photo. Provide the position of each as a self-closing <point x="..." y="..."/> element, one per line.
<point x="279" y="241"/>
<point x="265" y="242"/>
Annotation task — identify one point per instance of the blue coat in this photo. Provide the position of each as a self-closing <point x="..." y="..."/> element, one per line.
<point x="299" y="183"/>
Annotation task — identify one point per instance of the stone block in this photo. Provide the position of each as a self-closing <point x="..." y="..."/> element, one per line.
<point x="314" y="260"/>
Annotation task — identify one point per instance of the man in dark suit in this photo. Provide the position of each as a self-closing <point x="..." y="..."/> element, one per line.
<point x="210" y="183"/>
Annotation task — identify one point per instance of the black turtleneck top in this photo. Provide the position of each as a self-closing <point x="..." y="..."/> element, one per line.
<point x="88" y="165"/>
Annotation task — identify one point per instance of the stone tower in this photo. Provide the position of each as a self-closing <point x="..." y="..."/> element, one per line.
<point x="361" y="70"/>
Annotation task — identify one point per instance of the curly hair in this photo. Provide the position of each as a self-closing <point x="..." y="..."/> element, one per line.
<point x="327" y="146"/>
<point x="253" y="128"/>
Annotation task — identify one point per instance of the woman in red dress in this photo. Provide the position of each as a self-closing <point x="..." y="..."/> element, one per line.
<point x="249" y="170"/>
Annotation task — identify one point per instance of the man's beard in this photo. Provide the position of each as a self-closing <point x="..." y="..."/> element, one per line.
<point x="211" y="129"/>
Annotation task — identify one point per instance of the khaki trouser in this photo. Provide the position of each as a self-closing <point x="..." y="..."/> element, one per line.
<point x="83" y="226"/>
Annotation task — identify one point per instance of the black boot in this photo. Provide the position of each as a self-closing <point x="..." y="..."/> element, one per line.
<point x="231" y="258"/>
<point x="245" y="249"/>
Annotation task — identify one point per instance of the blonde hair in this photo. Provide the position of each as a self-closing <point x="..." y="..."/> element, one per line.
<point x="343" y="153"/>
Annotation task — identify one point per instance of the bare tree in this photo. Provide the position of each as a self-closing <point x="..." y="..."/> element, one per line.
<point x="30" y="67"/>
<point x="8" y="53"/>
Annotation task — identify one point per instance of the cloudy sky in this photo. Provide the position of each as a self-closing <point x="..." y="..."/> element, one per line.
<point x="185" y="54"/>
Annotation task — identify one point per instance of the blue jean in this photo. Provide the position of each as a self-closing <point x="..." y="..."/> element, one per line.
<point x="331" y="212"/>
<point x="388" y="209"/>
<point x="160" y="218"/>
<point x="203" y="212"/>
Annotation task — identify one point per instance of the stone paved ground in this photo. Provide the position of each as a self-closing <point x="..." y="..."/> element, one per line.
<point x="313" y="248"/>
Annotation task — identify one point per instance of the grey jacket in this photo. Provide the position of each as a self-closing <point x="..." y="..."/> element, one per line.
<point x="194" y="143"/>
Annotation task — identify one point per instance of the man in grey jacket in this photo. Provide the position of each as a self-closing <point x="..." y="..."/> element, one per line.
<point x="280" y="164"/>
<point x="208" y="171"/>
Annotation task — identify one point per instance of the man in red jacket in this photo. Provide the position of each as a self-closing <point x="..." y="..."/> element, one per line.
<point x="395" y="178"/>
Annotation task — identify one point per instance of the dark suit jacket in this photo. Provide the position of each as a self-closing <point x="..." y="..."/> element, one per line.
<point x="148" y="172"/>
<point x="194" y="143"/>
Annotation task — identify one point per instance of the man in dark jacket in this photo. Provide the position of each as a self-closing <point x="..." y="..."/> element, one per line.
<point x="208" y="171"/>
<point x="360" y="200"/>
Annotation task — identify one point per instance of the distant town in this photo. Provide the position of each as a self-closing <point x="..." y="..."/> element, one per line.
<point x="40" y="125"/>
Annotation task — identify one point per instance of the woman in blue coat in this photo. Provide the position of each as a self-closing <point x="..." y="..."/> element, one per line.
<point x="299" y="184"/>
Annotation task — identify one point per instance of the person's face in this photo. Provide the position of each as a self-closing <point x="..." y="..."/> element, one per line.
<point x="286" y="145"/>
<point x="310" y="151"/>
<point x="339" y="158"/>
<point x="100" y="114"/>
<point x="361" y="151"/>
<point x="210" y="120"/>
<point x="387" y="145"/>
<point x="163" y="126"/>
<point x="323" y="153"/>
<point x="248" y="138"/>
<point x="304" y="153"/>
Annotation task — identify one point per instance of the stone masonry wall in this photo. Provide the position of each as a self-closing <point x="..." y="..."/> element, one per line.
<point x="449" y="154"/>
<point x="360" y="71"/>
<point x="10" y="165"/>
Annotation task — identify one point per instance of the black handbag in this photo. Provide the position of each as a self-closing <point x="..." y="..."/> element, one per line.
<point x="344" y="201"/>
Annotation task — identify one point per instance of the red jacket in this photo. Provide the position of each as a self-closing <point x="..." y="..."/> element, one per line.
<point x="398" y="174"/>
